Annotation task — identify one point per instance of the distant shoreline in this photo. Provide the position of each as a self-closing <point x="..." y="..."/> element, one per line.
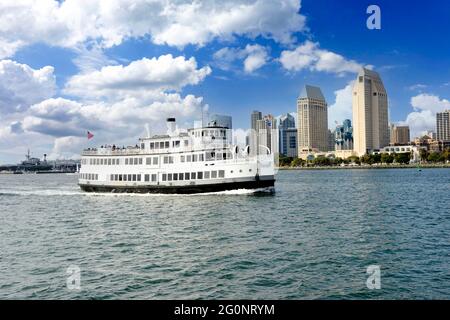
<point x="422" y="166"/>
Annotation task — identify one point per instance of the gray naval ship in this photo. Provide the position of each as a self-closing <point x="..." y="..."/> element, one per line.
<point x="36" y="165"/>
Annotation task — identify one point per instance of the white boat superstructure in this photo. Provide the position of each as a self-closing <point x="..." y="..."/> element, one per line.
<point x="197" y="160"/>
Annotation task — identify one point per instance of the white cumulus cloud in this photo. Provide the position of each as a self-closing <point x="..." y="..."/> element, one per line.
<point x="253" y="57"/>
<point x="341" y="109"/>
<point x="423" y="118"/>
<point x="173" y="22"/>
<point x="21" y="85"/>
<point x="139" y="77"/>
<point x="310" y="56"/>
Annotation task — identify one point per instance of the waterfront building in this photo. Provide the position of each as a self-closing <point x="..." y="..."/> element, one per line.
<point x="414" y="151"/>
<point x="287" y="136"/>
<point x="266" y="134"/>
<point x="331" y="140"/>
<point x="256" y="115"/>
<point x="430" y="144"/>
<point x="344" y="136"/>
<point x="399" y="135"/>
<point x="443" y="125"/>
<point x="370" y="113"/>
<point x="431" y="134"/>
<point x="312" y="120"/>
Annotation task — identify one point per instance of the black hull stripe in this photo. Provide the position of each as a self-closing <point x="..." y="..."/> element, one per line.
<point x="257" y="184"/>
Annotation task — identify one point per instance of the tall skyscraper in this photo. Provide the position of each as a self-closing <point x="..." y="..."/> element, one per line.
<point x="312" y="120"/>
<point x="443" y="125"/>
<point x="266" y="133"/>
<point x="399" y="135"/>
<point x="344" y="136"/>
<point x="256" y="115"/>
<point x="287" y="136"/>
<point x="370" y="113"/>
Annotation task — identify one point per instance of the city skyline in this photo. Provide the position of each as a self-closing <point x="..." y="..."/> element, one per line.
<point x="113" y="78"/>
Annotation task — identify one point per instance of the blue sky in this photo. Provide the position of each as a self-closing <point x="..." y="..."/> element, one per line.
<point x="71" y="74"/>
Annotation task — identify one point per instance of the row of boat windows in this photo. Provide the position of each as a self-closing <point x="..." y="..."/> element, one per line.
<point x="199" y="175"/>
<point x="210" y="133"/>
<point x="209" y="156"/>
<point x="89" y="176"/>
<point x="165" y="144"/>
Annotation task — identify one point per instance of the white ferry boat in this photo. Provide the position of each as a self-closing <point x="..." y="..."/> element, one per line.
<point x="197" y="160"/>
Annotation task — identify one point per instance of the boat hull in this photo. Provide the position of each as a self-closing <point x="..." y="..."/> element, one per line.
<point x="182" y="189"/>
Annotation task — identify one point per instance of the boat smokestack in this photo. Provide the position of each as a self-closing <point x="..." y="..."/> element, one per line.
<point x="171" y="126"/>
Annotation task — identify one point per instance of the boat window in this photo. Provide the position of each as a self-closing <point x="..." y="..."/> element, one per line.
<point x="142" y="146"/>
<point x="152" y="145"/>
<point x="156" y="145"/>
<point x="166" y="159"/>
<point x="206" y="174"/>
<point x="181" y="176"/>
<point x="182" y="158"/>
<point x="175" y="176"/>
<point x="213" y="174"/>
<point x="194" y="158"/>
<point x="169" y="177"/>
<point x="120" y="177"/>
<point x="148" y="161"/>
<point x="186" y="142"/>
<point x="201" y="157"/>
<point x="155" y="160"/>
<point x="219" y="156"/>
<point x="153" y="177"/>
<point x="164" y="177"/>
<point x="187" y="176"/>
<point x="138" y="177"/>
<point x="193" y="174"/>
<point x="116" y="177"/>
<point x="147" y="178"/>
<point x="126" y="160"/>
<point x="221" y="173"/>
<point x="177" y="143"/>
<point x="134" y="177"/>
<point x="129" y="177"/>
<point x="136" y="160"/>
<point x="170" y="159"/>
<point x="188" y="158"/>
<point x="200" y="175"/>
<point x="167" y="144"/>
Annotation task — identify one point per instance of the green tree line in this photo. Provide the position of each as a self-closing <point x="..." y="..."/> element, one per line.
<point x="368" y="159"/>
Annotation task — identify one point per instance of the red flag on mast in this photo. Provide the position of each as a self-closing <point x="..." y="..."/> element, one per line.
<point x="89" y="135"/>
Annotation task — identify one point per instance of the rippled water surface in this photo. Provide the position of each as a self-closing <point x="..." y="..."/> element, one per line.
<point x="313" y="238"/>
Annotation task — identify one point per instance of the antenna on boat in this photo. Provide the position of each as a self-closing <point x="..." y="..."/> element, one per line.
<point x="147" y="128"/>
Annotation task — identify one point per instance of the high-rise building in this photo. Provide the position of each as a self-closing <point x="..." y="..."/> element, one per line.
<point x="312" y="120"/>
<point x="266" y="133"/>
<point x="370" y="113"/>
<point x="287" y="136"/>
<point x="443" y="125"/>
<point x="256" y="115"/>
<point x="331" y="140"/>
<point x="344" y="136"/>
<point x="399" y="135"/>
